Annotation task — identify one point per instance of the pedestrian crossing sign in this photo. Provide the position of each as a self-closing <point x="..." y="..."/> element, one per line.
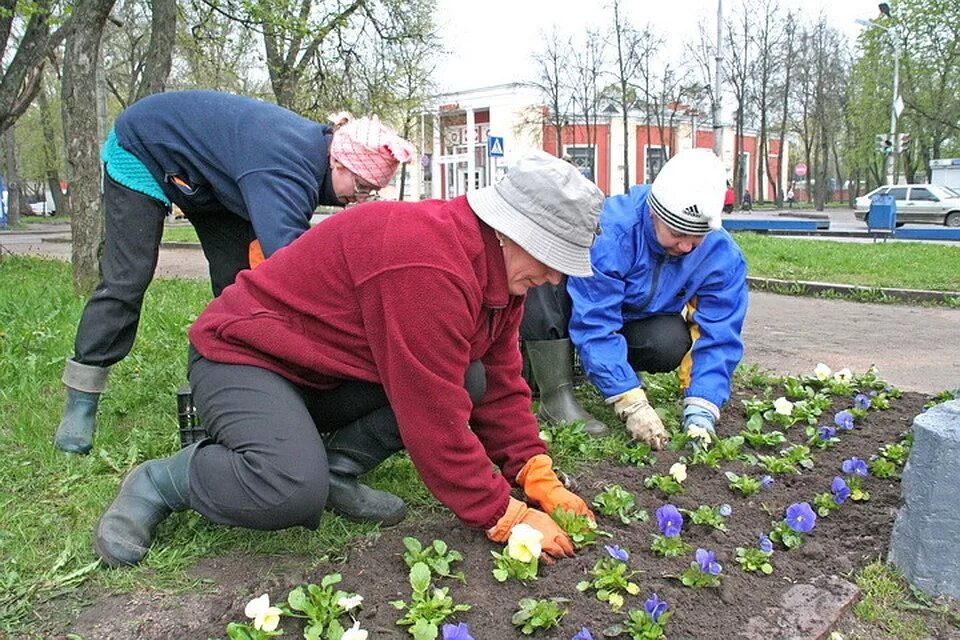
<point x="495" y="146"/>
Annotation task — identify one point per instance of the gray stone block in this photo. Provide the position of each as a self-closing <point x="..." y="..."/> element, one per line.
<point x="925" y="543"/>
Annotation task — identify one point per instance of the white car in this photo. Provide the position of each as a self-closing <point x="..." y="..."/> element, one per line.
<point x="917" y="203"/>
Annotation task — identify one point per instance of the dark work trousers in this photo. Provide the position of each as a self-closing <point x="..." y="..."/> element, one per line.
<point x="264" y="466"/>
<point x="655" y="344"/>
<point x="133" y="228"/>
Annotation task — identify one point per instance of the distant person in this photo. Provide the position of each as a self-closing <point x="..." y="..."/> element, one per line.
<point x="729" y="197"/>
<point x="668" y="292"/>
<point x="791" y="197"/>
<point x="246" y="173"/>
<point x="391" y="326"/>
<point x="747" y="203"/>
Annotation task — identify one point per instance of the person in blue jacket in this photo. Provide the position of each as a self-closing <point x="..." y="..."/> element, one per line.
<point x="246" y="173"/>
<point x="669" y="290"/>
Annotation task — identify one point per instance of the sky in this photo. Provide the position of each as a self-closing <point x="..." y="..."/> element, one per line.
<point x="494" y="45"/>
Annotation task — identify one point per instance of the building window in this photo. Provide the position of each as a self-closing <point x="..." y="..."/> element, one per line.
<point x="583" y="158"/>
<point x="656" y="158"/>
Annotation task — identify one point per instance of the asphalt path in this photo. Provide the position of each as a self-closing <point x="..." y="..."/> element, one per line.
<point x="914" y="348"/>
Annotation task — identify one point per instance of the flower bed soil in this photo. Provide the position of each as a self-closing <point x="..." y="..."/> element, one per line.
<point x="840" y="544"/>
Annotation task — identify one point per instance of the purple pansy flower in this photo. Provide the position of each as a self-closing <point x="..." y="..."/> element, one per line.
<point x="765" y="544"/>
<point x="583" y="634"/>
<point x="856" y="466"/>
<point x="669" y="520"/>
<point x="840" y="490"/>
<point x="458" y="632"/>
<point x="707" y="562"/>
<point x="766" y="481"/>
<point x="655" y="607"/>
<point x="617" y="553"/>
<point x="825" y="433"/>
<point x="725" y="510"/>
<point x="861" y="401"/>
<point x="844" y="420"/>
<point x="800" y="517"/>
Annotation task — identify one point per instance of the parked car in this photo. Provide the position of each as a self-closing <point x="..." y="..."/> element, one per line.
<point x="917" y="203"/>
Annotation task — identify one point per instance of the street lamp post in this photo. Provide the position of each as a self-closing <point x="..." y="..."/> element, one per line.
<point x="891" y="160"/>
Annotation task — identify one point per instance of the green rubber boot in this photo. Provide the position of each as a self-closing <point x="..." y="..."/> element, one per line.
<point x="551" y="362"/>
<point x="84" y="383"/>
<point x="150" y="492"/>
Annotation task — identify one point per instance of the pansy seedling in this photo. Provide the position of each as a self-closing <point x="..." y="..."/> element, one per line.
<point x="840" y="490"/>
<point x="665" y="483"/>
<point x="648" y="622"/>
<point x="855" y="466"/>
<point x="668" y="543"/>
<point x="678" y="471"/>
<point x="757" y="559"/>
<point x="744" y="484"/>
<point x="844" y="420"/>
<point x="611" y="578"/>
<point x="822" y="372"/>
<point x="704" y="571"/>
<point x="265" y="617"/>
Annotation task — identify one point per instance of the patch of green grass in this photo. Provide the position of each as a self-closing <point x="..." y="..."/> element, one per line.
<point x="885" y="595"/>
<point x="180" y="232"/>
<point x="909" y="265"/>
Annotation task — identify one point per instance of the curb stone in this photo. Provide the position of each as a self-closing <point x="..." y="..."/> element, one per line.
<point x="802" y="287"/>
<point x="807" y="611"/>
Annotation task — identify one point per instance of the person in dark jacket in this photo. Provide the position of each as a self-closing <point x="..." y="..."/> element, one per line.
<point x="669" y="291"/>
<point x="246" y="173"/>
<point x="389" y="326"/>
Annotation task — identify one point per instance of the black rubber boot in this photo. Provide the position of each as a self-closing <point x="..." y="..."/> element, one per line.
<point x="353" y="450"/>
<point x="552" y="364"/>
<point x="84" y="383"/>
<point x="150" y="492"/>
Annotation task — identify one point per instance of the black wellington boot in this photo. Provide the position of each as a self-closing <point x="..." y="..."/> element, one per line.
<point x="150" y="492"/>
<point x="552" y="364"/>
<point x="353" y="450"/>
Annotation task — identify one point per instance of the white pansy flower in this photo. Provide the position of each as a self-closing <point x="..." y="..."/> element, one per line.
<point x="265" y="617"/>
<point x="679" y="471"/>
<point x="844" y="375"/>
<point x="524" y="543"/>
<point x="354" y="633"/>
<point x="699" y="433"/>
<point x="350" y="602"/>
<point x="822" y="371"/>
<point x="783" y="406"/>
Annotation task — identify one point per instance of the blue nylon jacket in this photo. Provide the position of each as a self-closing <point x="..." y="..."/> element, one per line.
<point x="635" y="278"/>
<point x="259" y="161"/>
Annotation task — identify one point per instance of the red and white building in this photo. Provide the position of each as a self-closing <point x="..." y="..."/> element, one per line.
<point x="472" y="137"/>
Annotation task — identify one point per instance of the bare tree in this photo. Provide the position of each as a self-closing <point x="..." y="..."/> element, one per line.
<point x="588" y="61"/>
<point x="82" y="136"/>
<point x="789" y="44"/>
<point x="138" y="50"/>
<point x="768" y="38"/>
<point x="633" y="52"/>
<point x="552" y="64"/>
<point x="52" y="159"/>
<point x="737" y="70"/>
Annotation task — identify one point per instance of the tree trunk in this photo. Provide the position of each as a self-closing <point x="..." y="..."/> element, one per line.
<point x="13" y="180"/>
<point x="163" y="31"/>
<point x="82" y="138"/>
<point x="50" y="155"/>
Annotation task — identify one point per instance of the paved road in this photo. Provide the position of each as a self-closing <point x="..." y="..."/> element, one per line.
<point x="914" y="348"/>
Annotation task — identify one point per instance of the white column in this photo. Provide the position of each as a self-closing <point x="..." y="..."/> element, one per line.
<point x="436" y="169"/>
<point x="471" y="140"/>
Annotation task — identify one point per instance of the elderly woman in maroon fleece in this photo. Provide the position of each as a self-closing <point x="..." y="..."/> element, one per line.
<point x="390" y="326"/>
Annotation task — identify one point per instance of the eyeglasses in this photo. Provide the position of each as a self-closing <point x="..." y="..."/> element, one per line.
<point x="364" y="193"/>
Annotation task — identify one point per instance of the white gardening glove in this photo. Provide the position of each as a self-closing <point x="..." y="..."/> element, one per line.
<point x="642" y="420"/>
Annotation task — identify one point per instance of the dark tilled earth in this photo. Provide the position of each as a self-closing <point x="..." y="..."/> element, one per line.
<point x="850" y="538"/>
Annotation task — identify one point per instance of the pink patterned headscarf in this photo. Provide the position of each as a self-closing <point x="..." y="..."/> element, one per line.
<point x="370" y="150"/>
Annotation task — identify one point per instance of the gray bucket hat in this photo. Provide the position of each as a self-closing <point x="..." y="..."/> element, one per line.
<point x="547" y="207"/>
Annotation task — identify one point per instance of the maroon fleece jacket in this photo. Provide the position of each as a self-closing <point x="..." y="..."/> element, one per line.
<point x="405" y="295"/>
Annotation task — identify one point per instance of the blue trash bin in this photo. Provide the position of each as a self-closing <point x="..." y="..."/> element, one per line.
<point x="882" y="215"/>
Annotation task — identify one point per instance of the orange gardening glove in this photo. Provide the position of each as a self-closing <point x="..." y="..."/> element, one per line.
<point x="555" y="542"/>
<point x="542" y="485"/>
<point x="255" y="254"/>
